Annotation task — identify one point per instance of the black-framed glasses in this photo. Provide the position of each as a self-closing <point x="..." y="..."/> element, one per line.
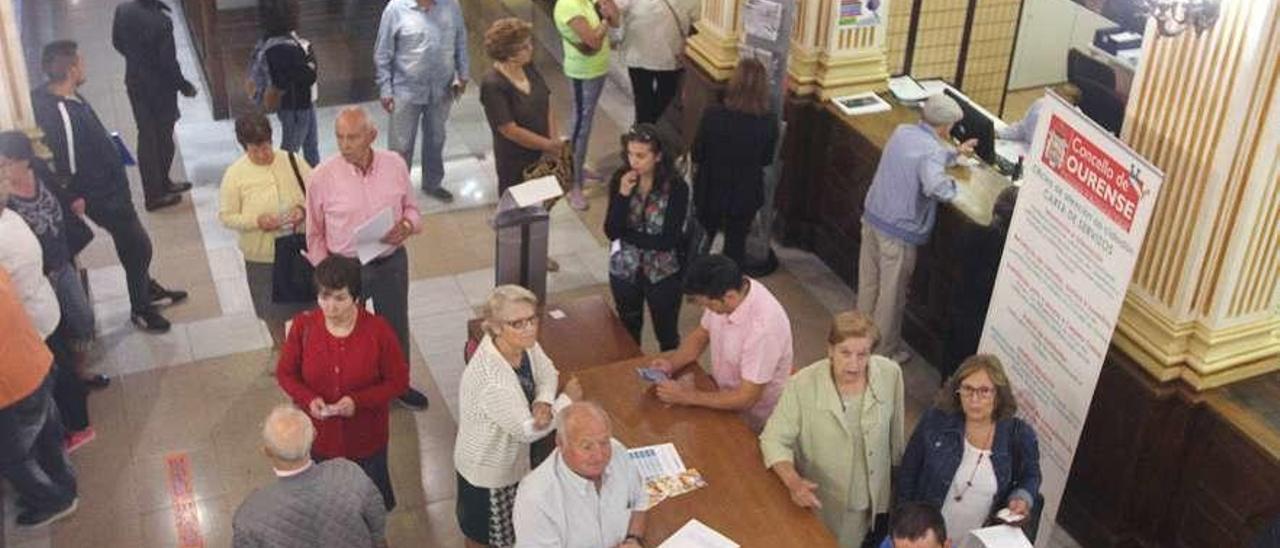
<point x="982" y="393"/>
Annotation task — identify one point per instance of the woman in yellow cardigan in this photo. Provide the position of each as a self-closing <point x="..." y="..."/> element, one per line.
<point x="838" y="431"/>
<point x="261" y="198"/>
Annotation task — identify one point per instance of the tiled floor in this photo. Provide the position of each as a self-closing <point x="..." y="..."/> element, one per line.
<point x="203" y="389"/>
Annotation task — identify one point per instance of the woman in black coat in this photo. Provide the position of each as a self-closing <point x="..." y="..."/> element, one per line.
<point x="735" y="142"/>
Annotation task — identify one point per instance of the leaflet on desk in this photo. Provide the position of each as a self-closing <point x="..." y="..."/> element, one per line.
<point x="663" y="472"/>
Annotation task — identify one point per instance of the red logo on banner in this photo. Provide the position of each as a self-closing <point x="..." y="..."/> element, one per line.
<point x="1092" y="172"/>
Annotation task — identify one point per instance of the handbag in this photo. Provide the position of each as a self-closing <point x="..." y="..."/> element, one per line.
<point x="561" y="166"/>
<point x="291" y="273"/>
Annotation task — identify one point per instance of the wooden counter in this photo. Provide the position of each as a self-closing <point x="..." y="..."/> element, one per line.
<point x="829" y="161"/>
<point x="742" y="499"/>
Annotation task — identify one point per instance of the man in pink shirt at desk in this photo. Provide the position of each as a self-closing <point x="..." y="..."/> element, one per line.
<point x="345" y="192"/>
<point x="750" y="339"/>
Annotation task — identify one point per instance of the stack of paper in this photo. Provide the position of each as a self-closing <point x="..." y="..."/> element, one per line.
<point x="695" y="534"/>
<point x="861" y="103"/>
<point x="663" y="472"/>
<point x="907" y="90"/>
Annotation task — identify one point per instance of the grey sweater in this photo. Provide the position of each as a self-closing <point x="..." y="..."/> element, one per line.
<point x="332" y="504"/>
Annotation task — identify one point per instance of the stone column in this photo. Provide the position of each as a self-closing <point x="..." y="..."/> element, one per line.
<point x="831" y="55"/>
<point x="1202" y="305"/>
<point x="715" y="46"/>
<point x="15" y="92"/>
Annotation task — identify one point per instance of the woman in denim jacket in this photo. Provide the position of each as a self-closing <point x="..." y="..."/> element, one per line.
<point x="969" y="455"/>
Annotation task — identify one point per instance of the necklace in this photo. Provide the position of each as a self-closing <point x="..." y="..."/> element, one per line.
<point x="969" y="483"/>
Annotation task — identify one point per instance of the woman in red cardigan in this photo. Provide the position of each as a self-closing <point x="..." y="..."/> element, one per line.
<point x="343" y="365"/>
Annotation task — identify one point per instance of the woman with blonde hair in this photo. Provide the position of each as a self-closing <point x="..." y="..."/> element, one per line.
<point x="970" y="455"/>
<point x="837" y="431"/>
<point x="734" y="143"/>
<point x="507" y="401"/>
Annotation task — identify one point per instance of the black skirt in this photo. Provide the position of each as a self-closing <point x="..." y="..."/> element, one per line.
<point x="484" y="514"/>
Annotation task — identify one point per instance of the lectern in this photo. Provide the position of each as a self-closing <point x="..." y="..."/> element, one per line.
<point x="521" y="227"/>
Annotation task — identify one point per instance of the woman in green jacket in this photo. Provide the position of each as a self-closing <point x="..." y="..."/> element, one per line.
<point x="838" y="431"/>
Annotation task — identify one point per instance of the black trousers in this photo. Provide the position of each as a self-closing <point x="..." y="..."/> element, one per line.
<point x="735" y="233"/>
<point x="155" y="119"/>
<point x="133" y="247"/>
<point x="375" y="467"/>
<point x="69" y="392"/>
<point x="654" y="90"/>
<point x="629" y="295"/>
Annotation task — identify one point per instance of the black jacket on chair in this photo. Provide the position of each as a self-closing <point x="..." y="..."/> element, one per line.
<point x="731" y="150"/>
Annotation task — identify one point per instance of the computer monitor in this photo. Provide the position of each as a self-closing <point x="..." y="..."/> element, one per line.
<point x="974" y="125"/>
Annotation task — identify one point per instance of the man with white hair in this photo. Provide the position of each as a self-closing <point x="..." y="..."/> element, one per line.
<point x="331" y="504"/>
<point x="899" y="214"/>
<point x="587" y="493"/>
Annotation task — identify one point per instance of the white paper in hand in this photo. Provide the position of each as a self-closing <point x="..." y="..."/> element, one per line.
<point x="369" y="236"/>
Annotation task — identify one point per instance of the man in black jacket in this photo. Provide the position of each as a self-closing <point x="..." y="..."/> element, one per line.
<point x="143" y="33"/>
<point x="87" y="165"/>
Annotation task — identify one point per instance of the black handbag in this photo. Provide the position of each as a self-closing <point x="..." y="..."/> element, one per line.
<point x="291" y="273"/>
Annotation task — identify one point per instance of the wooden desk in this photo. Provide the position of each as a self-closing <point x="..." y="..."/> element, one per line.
<point x="590" y="334"/>
<point x="742" y="498"/>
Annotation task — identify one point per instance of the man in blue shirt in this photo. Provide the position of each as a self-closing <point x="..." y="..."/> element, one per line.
<point x="899" y="213"/>
<point x="422" y="66"/>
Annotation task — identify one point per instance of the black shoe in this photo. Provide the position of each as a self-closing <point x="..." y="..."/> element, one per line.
<point x="179" y="187"/>
<point x="31" y="518"/>
<point x="164" y="201"/>
<point x="151" y="321"/>
<point x="414" y="400"/>
<point x="440" y="194"/>
<point x="166" y="297"/>
<point x="96" y="381"/>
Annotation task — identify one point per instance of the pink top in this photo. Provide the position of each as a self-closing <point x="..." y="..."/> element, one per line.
<point x="340" y="198"/>
<point x="753" y="344"/>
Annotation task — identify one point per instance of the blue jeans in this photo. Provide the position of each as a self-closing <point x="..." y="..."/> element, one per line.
<point x="405" y="120"/>
<point x="298" y="131"/>
<point x="77" y="311"/>
<point x="31" y="453"/>
<point x="586" y="95"/>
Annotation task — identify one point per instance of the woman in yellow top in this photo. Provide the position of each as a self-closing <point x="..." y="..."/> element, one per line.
<point x="837" y="431"/>
<point x="261" y="198"/>
<point x="584" y="26"/>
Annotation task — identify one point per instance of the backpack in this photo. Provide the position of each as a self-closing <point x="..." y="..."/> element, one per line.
<point x="261" y="90"/>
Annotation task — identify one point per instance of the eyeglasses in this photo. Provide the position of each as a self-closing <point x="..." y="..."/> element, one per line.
<point x="983" y="393"/>
<point x="522" y="323"/>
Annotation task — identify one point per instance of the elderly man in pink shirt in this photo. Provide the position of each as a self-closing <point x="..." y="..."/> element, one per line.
<point x="346" y="191"/>
<point x="750" y="339"/>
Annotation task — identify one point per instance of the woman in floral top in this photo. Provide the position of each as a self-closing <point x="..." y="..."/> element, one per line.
<point x="648" y="202"/>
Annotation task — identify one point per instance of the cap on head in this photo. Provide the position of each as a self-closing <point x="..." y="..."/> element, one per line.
<point x="940" y="110"/>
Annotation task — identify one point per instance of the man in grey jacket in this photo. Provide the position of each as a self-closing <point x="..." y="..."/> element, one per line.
<point x="331" y="504"/>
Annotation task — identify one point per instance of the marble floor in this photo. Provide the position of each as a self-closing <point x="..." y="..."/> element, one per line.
<point x="178" y="430"/>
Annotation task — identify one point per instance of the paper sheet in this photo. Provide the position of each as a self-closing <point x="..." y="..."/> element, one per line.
<point x="535" y="191"/>
<point x="369" y="236"/>
<point x="656" y="460"/>
<point x="696" y="534"/>
<point x="998" y="536"/>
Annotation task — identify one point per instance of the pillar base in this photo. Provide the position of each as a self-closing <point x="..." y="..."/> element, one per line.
<point x="716" y="54"/>
<point x="1200" y="356"/>
<point x="856" y="73"/>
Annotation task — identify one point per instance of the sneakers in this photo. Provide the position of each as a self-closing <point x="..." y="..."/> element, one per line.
<point x="166" y="297"/>
<point x="163" y="202"/>
<point x="78" y="439"/>
<point x="439" y="193"/>
<point x="33" y="518"/>
<point x="151" y="321"/>
<point x="414" y="400"/>
<point x="577" y="200"/>
<point x="96" y="381"/>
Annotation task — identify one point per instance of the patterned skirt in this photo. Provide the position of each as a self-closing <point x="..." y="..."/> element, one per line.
<point x="484" y="514"/>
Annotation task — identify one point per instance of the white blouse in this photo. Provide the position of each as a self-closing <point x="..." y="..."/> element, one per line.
<point x="974" y="506"/>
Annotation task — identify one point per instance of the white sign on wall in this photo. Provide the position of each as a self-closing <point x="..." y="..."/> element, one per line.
<point x="1081" y="216"/>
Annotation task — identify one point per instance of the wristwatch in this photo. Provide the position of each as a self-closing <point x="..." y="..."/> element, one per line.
<point x="630" y="537"/>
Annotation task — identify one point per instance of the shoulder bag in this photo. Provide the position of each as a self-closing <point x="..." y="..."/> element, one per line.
<point x="291" y="273"/>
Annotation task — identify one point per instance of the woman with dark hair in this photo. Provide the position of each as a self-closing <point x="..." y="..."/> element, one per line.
<point x="648" y="202"/>
<point x="969" y="454"/>
<point x="283" y="70"/>
<point x="342" y="365"/>
<point x="516" y="102"/>
<point x="261" y="198"/>
<point x="735" y="142"/>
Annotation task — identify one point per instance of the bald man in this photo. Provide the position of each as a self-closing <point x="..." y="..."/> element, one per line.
<point x="331" y="504"/>
<point x="345" y="192"/>
<point x="586" y="493"/>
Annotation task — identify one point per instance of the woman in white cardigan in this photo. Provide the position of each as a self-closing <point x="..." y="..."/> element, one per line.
<point x="507" y="401"/>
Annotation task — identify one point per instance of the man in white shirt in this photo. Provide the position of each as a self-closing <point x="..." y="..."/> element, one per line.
<point x="587" y="493"/>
